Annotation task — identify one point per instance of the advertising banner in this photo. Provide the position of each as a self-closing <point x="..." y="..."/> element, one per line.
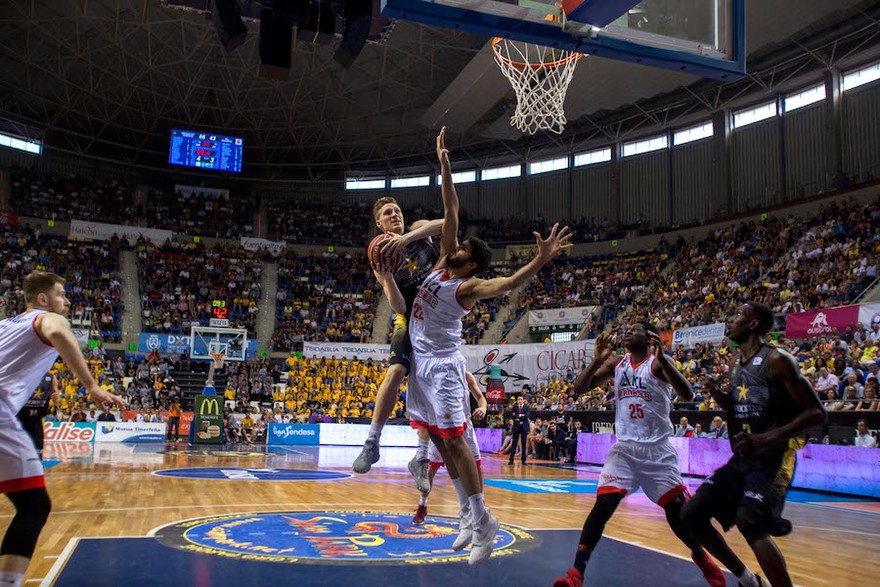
<point x="208" y="420"/>
<point x="869" y="314"/>
<point x="298" y="434"/>
<point x="8" y="218"/>
<point x="253" y="245"/>
<point x="560" y="316"/>
<point x="98" y="231"/>
<point x="192" y="190"/>
<point x="129" y="432"/>
<point x="526" y="364"/>
<point x="178" y="343"/>
<point x="821" y="322"/>
<point x="186" y="419"/>
<point x="363" y="351"/>
<point x="689" y="337"/>
<point x="68" y="431"/>
<point x="356" y="434"/>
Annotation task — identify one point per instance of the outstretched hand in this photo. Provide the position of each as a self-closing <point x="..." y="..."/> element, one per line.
<point x="603" y="347"/>
<point x="442" y="151"/>
<point x="557" y="241"/>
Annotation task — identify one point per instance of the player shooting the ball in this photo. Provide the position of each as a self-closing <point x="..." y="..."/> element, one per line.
<point x="417" y="255"/>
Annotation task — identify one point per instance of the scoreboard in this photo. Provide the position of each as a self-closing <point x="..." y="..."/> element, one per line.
<point x="205" y="150"/>
<point x="219" y="314"/>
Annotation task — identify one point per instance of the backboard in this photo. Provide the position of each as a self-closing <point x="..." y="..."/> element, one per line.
<point x="700" y="37"/>
<point x="204" y="341"/>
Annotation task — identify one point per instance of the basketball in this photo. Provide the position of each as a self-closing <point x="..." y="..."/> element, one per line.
<point x="378" y="259"/>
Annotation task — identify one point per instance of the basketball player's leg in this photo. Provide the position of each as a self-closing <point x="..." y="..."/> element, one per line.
<point x="718" y="497"/>
<point x="615" y="481"/>
<point x="657" y="473"/>
<point x="753" y="517"/>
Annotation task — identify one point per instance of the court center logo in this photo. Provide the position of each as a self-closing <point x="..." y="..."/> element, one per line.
<point x="252" y="474"/>
<point x="332" y="537"/>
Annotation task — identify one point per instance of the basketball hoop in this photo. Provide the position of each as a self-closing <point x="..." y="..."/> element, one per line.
<point x="218" y="360"/>
<point x="540" y="77"/>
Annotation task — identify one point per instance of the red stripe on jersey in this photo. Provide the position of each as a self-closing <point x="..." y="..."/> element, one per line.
<point x="640" y="363"/>
<point x="23" y="484"/>
<point x="607" y="489"/>
<point x="40" y="334"/>
<point x="671" y="495"/>
<point x="459" y="301"/>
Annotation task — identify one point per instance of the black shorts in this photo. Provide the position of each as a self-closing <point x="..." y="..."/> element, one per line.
<point x="743" y="484"/>
<point x="401" y="348"/>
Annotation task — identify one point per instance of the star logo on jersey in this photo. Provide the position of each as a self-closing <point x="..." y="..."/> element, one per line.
<point x="743" y="393"/>
<point x="411" y="265"/>
<point x="38" y="394"/>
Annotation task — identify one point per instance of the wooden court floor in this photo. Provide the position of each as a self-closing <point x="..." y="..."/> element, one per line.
<point x="111" y="491"/>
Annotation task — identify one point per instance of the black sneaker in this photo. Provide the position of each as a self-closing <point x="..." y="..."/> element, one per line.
<point x="369" y="455"/>
<point x="779" y="527"/>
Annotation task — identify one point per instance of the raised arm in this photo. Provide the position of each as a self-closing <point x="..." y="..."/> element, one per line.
<point x="449" y="234"/>
<point x="477" y="394"/>
<point x="419" y="230"/>
<point x="474" y="290"/>
<point x="666" y="371"/>
<point x="601" y="368"/>
<point x="56" y="329"/>
<point x="389" y="287"/>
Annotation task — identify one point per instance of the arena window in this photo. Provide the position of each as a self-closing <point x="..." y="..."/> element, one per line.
<point x="694" y="133"/>
<point x="365" y="184"/>
<point x="21" y="144"/>
<point x="411" y="182"/>
<point x="548" y="165"/>
<point x="592" y="157"/>
<point x="804" y="98"/>
<point x="462" y="177"/>
<point x="501" y="172"/>
<point x="645" y="146"/>
<point x="861" y="77"/>
<point x="755" y="114"/>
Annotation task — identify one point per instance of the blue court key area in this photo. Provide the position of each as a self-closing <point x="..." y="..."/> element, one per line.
<point x="110" y="562"/>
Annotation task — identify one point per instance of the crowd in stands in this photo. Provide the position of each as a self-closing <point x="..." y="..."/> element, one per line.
<point x="512" y="230"/>
<point x="212" y="213"/>
<point x="91" y="271"/>
<point x="310" y="221"/>
<point x="328" y="297"/>
<point x="56" y="197"/>
<point x="179" y="282"/>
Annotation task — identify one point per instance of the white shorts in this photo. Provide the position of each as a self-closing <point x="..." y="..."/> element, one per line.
<point x="434" y="394"/>
<point x="651" y="466"/>
<point x="435" y="459"/>
<point x="20" y="466"/>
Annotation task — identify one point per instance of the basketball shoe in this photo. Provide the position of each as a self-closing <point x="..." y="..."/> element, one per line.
<point x="465" y="529"/>
<point x="418" y="468"/>
<point x="572" y="578"/>
<point x="713" y="574"/>
<point x="421" y="513"/>
<point x="368" y="456"/>
<point x="484" y="539"/>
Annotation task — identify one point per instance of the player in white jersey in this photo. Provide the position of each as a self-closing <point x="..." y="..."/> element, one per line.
<point x="29" y="345"/>
<point x="435" y="459"/>
<point x="437" y="382"/>
<point x="643" y="456"/>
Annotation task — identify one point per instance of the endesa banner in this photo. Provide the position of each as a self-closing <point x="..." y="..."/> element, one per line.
<point x="129" y="432"/>
<point x="821" y="322"/>
<point x="68" y="431"/>
<point x="298" y="434"/>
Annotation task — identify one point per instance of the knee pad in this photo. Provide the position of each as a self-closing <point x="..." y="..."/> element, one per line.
<point x="694" y="510"/>
<point x="606" y="504"/>
<point x="32" y="508"/>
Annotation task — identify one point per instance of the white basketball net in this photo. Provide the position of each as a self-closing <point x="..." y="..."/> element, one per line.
<point x="540" y="77"/>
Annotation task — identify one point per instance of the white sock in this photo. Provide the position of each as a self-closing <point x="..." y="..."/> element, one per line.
<point x="462" y="494"/>
<point x="423" y="500"/>
<point x="10" y="579"/>
<point x="422" y="453"/>
<point x="478" y="509"/>
<point x="375" y="433"/>
<point x="748" y="579"/>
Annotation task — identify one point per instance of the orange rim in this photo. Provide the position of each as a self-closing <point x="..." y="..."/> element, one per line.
<point x="532" y="66"/>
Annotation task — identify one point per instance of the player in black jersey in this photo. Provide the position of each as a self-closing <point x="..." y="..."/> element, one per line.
<point x="32" y="414"/>
<point x="419" y="257"/>
<point x="769" y="403"/>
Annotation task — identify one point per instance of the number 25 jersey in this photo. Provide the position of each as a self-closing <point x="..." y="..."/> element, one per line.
<point x="643" y="402"/>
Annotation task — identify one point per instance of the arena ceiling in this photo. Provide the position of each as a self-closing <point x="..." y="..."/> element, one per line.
<point x="109" y="78"/>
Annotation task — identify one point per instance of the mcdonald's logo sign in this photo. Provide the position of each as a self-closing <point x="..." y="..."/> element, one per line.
<point x="209" y="407"/>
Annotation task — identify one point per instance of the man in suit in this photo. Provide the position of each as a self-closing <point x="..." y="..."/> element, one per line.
<point x="521" y="427"/>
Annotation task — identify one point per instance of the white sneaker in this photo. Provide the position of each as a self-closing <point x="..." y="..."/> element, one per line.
<point x="484" y="539"/>
<point x="465" y="529"/>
